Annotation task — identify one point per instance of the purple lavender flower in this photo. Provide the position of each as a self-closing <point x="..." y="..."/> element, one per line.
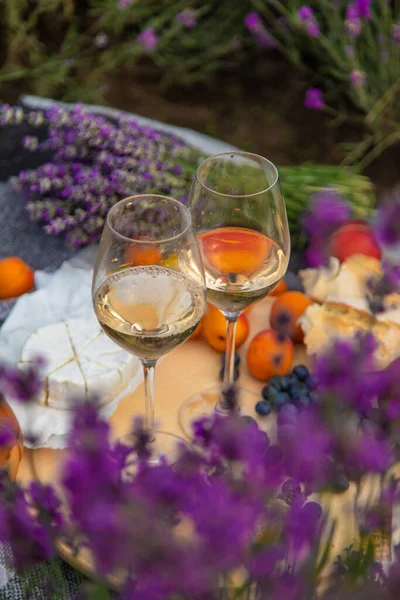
<point x="21" y="384"/>
<point x="314" y="99"/>
<point x="353" y="23"/>
<point x="303" y="523"/>
<point x="124" y="3"/>
<point x="396" y="33"/>
<point x="306" y="443"/>
<point x="369" y="453"/>
<point x="363" y="8"/>
<point x="328" y="211"/>
<point x="253" y="22"/>
<point x="188" y="18"/>
<point x="148" y="39"/>
<point x="30" y="541"/>
<point x="347" y="371"/>
<point x="261" y="34"/>
<point x="387" y="226"/>
<point x="357" y="79"/>
<point x="306" y="15"/>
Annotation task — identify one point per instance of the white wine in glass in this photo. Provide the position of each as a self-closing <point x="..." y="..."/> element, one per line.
<point x="148" y="287"/>
<point x="239" y="217"/>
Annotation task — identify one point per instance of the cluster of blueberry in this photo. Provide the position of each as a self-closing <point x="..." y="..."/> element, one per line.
<point x="236" y="371"/>
<point x="297" y="388"/>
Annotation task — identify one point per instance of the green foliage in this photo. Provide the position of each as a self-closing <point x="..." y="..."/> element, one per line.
<point x="67" y="48"/>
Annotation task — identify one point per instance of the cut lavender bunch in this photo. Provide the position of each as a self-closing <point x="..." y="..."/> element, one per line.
<point x="96" y="163"/>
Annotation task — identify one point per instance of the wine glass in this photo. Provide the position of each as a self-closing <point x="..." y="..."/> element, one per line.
<point x="148" y="287"/>
<point x="239" y="217"/>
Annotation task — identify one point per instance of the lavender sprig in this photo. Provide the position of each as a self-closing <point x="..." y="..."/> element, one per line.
<point x="96" y="163"/>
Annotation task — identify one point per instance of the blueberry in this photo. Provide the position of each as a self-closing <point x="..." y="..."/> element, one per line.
<point x="281" y="399"/>
<point x="286" y="382"/>
<point x="237" y="359"/>
<point x="297" y="390"/>
<point x="275" y="382"/>
<point x="263" y="408"/>
<point x="301" y="372"/>
<point x="269" y="393"/>
<point x="235" y="373"/>
<point x="311" y="383"/>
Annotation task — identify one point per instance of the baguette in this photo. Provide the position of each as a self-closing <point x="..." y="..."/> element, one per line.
<point x="322" y="324"/>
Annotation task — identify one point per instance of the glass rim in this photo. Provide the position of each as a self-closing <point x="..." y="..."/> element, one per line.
<point x="240" y="153"/>
<point x="180" y="205"/>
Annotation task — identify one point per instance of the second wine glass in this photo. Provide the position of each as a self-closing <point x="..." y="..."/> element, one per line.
<point x="239" y="217"/>
<point x="148" y="287"/>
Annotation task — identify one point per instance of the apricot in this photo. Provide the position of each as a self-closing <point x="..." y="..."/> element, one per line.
<point x="286" y="311"/>
<point x="214" y="329"/>
<point x="280" y="289"/>
<point x="198" y="331"/>
<point x="142" y="255"/>
<point x="269" y="354"/>
<point x="16" y="278"/>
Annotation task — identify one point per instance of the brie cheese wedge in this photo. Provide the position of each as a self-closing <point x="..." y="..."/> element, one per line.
<point x="81" y="362"/>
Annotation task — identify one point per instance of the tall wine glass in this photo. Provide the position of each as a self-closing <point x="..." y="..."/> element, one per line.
<point x="239" y="217"/>
<point x="148" y="287"/>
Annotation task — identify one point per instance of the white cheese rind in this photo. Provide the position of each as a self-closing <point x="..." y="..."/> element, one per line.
<point x="81" y="362"/>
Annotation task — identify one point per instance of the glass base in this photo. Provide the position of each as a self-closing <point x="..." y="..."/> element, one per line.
<point x="204" y="403"/>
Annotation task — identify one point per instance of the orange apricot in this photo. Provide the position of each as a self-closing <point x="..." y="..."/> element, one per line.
<point x="16" y="278"/>
<point x="286" y="311"/>
<point x="280" y="289"/>
<point x="269" y="354"/>
<point x="142" y="255"/>
<point x="214" y="329"/>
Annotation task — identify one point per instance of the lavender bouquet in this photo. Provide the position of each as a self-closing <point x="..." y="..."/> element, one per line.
<point x="95" y="163"/>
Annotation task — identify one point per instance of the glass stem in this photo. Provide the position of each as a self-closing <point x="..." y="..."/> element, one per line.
<point x="229" y="370"/>
<point x="230" y="350"/>
<point x="148" y="373"/>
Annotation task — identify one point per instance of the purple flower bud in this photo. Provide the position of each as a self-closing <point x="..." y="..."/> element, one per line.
<point x="312" y="29"/>
<point x="353" y="27"/>
<point x="261" y="34"/>
<point x="305" y="13"/>
<point x="124" y="3"/>
<point x="188" y="18"/>
<point x="148" y="39"/>
<point x="314" y="99"/>
<point x="253" y="21"/>
<point x="30" y="142"/>
<point x="357" y="79"/>
<point x="363" y="8"/>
